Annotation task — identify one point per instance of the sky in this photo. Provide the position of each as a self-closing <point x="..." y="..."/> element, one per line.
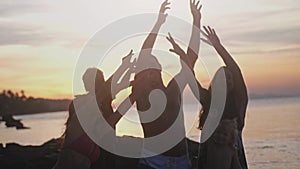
<point x="40" y="41"/>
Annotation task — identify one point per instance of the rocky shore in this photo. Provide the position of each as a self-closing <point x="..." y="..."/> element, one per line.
<point x="15" y="156"/>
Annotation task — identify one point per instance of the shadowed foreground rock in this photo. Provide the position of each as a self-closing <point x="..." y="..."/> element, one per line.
<point x="15" y="156"/>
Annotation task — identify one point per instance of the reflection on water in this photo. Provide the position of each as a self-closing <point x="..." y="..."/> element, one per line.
<point x="265" y="117"/>
<point x="42" y="128"/>
<point x="271" y="135"/>
<point x="51" y="125"/>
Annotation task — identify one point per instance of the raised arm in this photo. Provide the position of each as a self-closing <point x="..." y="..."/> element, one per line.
<point x="114" y="78"/>
<point x="181" y="77"/>
<point x="178" y="51"/>
<point x="150" y="40"/>
<point x="215" y="41"/>
<point x="194" y="44"/>
<point x="125" y="81"/>
<point x="240" y="86"/>
<point x="114" y="118"/>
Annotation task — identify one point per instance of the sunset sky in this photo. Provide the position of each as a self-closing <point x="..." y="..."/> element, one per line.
<point x="40" y="41"/>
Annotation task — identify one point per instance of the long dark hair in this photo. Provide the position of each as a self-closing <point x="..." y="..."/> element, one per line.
<point x="204" y="110"/>
<point x="90" y="75"/>
<point x="206" y="104"/>
<point x="71" y="113"/>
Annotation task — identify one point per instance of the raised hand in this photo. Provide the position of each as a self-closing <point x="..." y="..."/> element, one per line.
<point x="162" y="15"/>
<point x="195" y="9"/>
<point x="211" y="36"/>
<point x="176" y="48"/>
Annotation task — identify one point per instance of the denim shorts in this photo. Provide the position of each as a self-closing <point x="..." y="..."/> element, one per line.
<point x="165" y="162"/>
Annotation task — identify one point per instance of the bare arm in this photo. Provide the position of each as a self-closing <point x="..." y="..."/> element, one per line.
<point x="114" y="78"/>
<point x="194" y="44"/>
<point x="111" y="86"/>
<point x="215" y="41"/>
<point x="114" y="118"/>
<point x="181" y="77"/>
<point x="150" y="40"/>
<point x="178" y="51"/>
<point x="240" y="89"/>
<point x="125" y="81"/>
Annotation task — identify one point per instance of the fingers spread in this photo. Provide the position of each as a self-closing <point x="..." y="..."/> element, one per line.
<point x="210" y="31"/>
<point x="131" y="52"/>
<point x="172" y="50"/>
<point x="199" y="7"/>
<point x="207" y="41"/>
<point x="206" y="30"/>
<point x="214" y="32"/>
<point x="168" y="39"/>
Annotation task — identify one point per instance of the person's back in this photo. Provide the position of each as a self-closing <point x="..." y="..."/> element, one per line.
<point x="165" y="119"/>
<point x="169" y="120"/>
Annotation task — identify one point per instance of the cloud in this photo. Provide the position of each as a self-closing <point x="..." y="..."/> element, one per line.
<point x="270" y="27"/>
<point x="285" y="36"/>
<point x="21" y="34"/>
<point x="263" y="15"/>
<point x="13" y="8"/>
<point x="32" y="35"/>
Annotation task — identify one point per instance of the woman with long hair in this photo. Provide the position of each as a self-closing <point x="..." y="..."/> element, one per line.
<point x="223" y="149"/>
<point x="78" y="149"/>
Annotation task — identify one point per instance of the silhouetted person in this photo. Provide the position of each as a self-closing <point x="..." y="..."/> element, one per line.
<point x="220" y="150"/>
<point x="78" y="150"/>
<point x="148" y="78"/>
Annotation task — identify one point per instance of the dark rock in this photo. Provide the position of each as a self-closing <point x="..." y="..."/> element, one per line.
<point x="15" y="156"/>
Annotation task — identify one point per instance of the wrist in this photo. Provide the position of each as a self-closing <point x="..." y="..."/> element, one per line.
<point x="217" y="44"/>
<point x="197" y="22"/>
<point x="158" y="23"/>
<point x="197" y="17"/>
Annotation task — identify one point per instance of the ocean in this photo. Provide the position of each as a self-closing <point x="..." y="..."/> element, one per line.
<point x="271" y="134"/>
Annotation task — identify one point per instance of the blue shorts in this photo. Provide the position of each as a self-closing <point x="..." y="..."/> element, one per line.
<point x="165" y="162"/>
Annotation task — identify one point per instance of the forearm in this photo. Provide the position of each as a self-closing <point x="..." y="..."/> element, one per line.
<point x="227" y="58"/>
<point x="115" y="87"/>
<point x="125" y="82"/>
<point x="194" y="44"/>
<point x="114" y="118"/>
<point x="193" y="49"/>
<point x="186" y="70"/>
<point x="150" y="40"/>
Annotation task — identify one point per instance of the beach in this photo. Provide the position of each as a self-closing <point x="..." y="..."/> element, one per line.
<point x="271" y="134"/>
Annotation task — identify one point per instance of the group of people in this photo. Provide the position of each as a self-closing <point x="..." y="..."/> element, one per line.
<point x="222" y="150"/>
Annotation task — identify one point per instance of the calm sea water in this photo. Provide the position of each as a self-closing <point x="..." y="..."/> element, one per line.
<point x="271" y="135"/>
